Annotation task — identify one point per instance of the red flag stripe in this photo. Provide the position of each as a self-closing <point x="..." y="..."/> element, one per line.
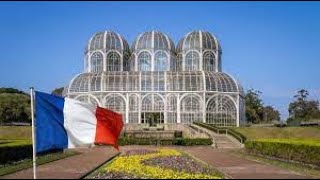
<point x="109" y="126"/>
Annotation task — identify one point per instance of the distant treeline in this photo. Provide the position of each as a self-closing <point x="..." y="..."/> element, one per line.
<point x="11" y="91"/>
<point x="14" y="106"/>
<point x="302" y="110"/>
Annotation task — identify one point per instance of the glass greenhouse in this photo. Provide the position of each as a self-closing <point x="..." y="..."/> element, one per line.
<point x="156" y="82"/>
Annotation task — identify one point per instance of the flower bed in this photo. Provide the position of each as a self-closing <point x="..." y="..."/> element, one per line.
<point x="166" y="142"/>
<point x="114" y="175"/>
<point x="161" y="164"/>
<point x="179" y="163"/>
<point x="140" y="152"/>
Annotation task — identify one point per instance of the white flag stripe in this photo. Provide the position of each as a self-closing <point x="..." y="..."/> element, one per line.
<point x="80" y="122"/>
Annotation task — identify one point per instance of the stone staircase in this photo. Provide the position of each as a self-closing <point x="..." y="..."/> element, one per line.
<point x="226" y="142"/>
<point x="221" y="141"/>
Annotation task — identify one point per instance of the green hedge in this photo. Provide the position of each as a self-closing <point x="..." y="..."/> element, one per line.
<point x="177" y="141"/>
<point x="289" y="150"/>
<point x="220" y="130"/>
<point x="15" y="151"/>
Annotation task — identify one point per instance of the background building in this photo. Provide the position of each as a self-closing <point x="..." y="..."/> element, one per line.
<point x="156" y="82"/>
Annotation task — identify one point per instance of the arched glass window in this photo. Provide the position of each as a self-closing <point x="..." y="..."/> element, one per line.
<point x="192" y="61"/>
<point x="113" y="62"/>
<point x="221" y="111"/>
<point x="209" y="61"/>
<point x="152" y="109"/>
<point x="190" y="109"/>
<point x="87" y="99"/>
<point x="161" y="61"/>
<point x="97" y="62"/>
<point x="144" y="60"/>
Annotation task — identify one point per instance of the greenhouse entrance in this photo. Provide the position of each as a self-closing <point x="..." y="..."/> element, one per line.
<point x="152" y="118"/>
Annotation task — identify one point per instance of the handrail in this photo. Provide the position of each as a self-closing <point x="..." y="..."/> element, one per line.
<point x="226" y="131"/>
<point x="206" y="132"/>
<point x="234" y="134"/>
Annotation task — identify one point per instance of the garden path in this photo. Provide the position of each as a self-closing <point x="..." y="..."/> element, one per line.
<point x="73" y="167"/>
<point x="237" y="167"/>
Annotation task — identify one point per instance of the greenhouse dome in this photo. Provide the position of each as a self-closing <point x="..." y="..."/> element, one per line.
<point x="154" y="81"/>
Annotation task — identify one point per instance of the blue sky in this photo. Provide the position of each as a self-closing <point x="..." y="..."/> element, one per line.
<point x="270" y="46"/>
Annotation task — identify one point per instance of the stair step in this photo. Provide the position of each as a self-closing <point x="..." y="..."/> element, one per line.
<point x="222" y="141"/>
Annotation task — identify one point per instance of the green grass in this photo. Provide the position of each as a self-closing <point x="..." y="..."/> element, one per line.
<point x="27" y="163"/>
<point x="15" y="133"/>
<point x="294" y="167"/>
<point x="11" y="136"/>
<point x="11" y="143"/>
<point x="297" y="133"/>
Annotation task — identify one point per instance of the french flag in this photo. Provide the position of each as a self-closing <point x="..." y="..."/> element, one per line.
<point x="63" y="123"/>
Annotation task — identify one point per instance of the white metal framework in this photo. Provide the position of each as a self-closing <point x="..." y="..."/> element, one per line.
<point x="154" y="81"/>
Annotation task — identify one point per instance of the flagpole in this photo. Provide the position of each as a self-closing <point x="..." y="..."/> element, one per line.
<point x="33" y="134"/>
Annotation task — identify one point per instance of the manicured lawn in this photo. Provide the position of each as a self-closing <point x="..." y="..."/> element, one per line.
<point x="15" y="133"/>
<point x="289" y="144"/>
<point x="301" y="133"/>
<point x="6" y="143"/>
<point x="11" y="136"/>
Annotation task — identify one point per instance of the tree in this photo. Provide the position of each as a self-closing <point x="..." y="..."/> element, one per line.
<point x="11" y="91"/>
<point x="254" y="106"/>
<point x="302" y="109"/>
<point x="270" y="114"/>
<point x="14" y="107"/>
<point x="58" y="91"/>
<point x="256" y="112"/>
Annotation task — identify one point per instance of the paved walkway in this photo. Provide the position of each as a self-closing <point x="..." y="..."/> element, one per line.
<point x="73" y="167"/>
<point x="238" y="167"/>
<point x="232" y="166"/>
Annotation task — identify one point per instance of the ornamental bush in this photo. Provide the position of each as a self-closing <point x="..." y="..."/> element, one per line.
<point x="304" y="151"/>
<point x="14" y="151"/>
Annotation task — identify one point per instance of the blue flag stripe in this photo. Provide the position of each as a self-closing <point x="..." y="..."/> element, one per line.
<point x="50" y="131"/>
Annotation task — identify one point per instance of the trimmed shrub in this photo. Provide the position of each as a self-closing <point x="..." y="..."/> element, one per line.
<point x="15" y="151"/>
<point x="165" y="142"/>
<point x="288" y="150"/>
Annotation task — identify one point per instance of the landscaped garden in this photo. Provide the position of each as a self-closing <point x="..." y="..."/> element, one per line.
<point x="276" y="146"/>
<point x="291" y="144"/>
<point x="16" y="150"/>
<point x="156" y="164"/>
<point x="293" y="148"/>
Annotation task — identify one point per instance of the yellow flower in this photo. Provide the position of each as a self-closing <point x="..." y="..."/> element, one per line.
<point x="133" y="165"/>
